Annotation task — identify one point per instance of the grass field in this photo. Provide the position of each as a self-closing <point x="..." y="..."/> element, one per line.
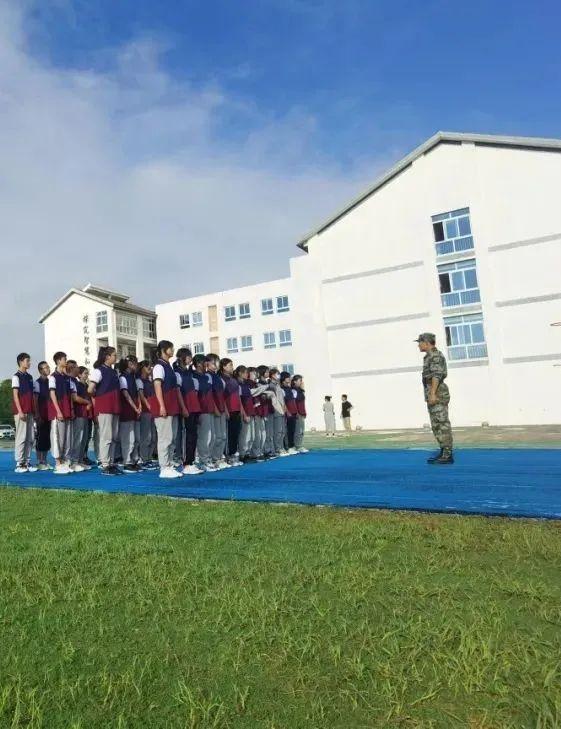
<point x="123" y="611"/>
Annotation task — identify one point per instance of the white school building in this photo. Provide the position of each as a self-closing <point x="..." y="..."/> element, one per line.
<point x="461" y="238"/>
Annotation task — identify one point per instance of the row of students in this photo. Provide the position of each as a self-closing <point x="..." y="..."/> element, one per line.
<point x="200" y="412"/>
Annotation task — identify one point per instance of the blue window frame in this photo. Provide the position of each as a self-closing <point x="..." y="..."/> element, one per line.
<point x="452" y="232"/>
<point x="269" y="340"/>
<point x="282" y="304"/>
<point x="458" y="283"/>
<point x="465" y="337"/>
<point x="267" y="307"/>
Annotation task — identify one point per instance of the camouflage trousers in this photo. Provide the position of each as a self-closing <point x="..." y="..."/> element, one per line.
<point x="440" y="424"/>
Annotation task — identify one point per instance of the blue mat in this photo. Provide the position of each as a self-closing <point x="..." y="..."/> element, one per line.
<point x="522" y="483"/>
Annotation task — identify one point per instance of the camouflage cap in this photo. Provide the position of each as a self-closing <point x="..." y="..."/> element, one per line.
<point x="426" y="337"/>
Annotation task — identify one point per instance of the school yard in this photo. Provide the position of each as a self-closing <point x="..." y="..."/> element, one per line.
<point x="132" y="611"/>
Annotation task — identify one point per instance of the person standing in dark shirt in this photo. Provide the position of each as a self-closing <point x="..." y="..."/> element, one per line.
<point x="346" y="408"/>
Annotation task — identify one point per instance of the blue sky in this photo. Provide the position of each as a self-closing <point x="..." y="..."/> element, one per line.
<point x="369" y="72"/>
<point x="129" y="128"/>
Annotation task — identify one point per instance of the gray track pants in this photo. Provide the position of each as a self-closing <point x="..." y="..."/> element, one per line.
<point x="24" y="439"/>
<point x="247" y="437"/>
<point x="167" y="433"/>
<point x="279" y="430"/>
<point x="269" y="438"/>
<point x="129" y="436"/>
<point x="108" y="434"/>
<point x="147" y="437"/>
<point x="257" y="447"/>
<point x="299" y="431"/>
<point x="79" y="434"/>
<point x="205" y="438"/>
<point x="220" y="437"/>
<point x="62" y="439"/>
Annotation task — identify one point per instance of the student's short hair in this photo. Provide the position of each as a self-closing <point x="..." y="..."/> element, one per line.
<point x="252" y="369"/>
<point x="123" y="364"/>
<point x="239" y="371"/>
<point x="285" y="375"/>
<point x="328" y="397"/>
<point x="71" y="362"/>
<point x="183" y="352"/>
<point x="42" y="363"/>
<point x="273" y="370"/>
<point x="198" y="359"/>
<point x="344" y="396"/>
<point x="262" y="369"/>
<point x="21" y="356"/>
<point x="295" y="379"/>
<point x="224" y="362"/>
<point x="82" y="369"/>
<point x="57" y="356"/>
<point x="212" y="358"/>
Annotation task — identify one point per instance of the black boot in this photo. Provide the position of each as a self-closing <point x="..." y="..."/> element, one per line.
<point x="436" y="456"/>
<point x="446" y="459"/>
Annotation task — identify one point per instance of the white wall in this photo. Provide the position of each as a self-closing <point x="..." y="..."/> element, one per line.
<point x="168" y="322"/>
<point x="64" y="329"/>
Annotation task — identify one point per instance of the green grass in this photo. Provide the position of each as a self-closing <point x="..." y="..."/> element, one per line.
<point x="123" y="611"/>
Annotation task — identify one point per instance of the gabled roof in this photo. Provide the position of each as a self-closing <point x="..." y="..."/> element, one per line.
<point x="112" y="300"/>
<point x="492" y="140"/>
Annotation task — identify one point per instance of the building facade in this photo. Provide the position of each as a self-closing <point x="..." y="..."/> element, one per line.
<point x="85" y="319"/>
<point x="462" y="238"/>
<point x="251" y="325"/>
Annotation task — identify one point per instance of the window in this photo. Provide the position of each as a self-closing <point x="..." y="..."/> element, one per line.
<point x="285" y="338"/>
<point x="282" y="304"/>
<point x="266" y="306"/>
<point x="148" y="328"/>
<point x="269" y="340"/>
<point x="247" y="343"/>
<point x="465" y="337"/>
<point x="229" y="313"/>
<point x="197" y="318"/>
<point x="452" y="232"/>
<point x="184" y="321"/>
<point x="126" y="324"/>
<point x="287" y="368"/>
<point x="198" y="348"/>
<point x="245" y="311"/>
<point x="101" y="321"/>
<point x="458" y="283"/>
<point x="232" y="345"/>
<point x="185" y="346"/>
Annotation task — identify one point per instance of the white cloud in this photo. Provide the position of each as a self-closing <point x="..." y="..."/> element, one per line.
<point x="132" y="180"/>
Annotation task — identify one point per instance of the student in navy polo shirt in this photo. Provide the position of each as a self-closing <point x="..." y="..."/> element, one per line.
<point x="234" y="410"/>
<point x="187" y="431"/>
<point x="279" y="416"/>
<point x="165" y="407"/>
<point x="148" y="436"/>
<point x="82" y="406"/>
<point x="43" y="442"/>
<point x="61" y="414"/>
<point x="291" y="411"/>
<point x="105" y="392"/>
<point x="24" y="411"/>
<point x="220" y="414"/>
<point x="129" y="417"/>
<point x="205" y="431"/>
<point x="300" y="397"/>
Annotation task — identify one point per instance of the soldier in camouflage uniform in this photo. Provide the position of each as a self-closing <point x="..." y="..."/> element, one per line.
<point x="437" y="397"/>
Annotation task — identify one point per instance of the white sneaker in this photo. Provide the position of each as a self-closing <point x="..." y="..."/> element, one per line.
<point x="62" y="469"/>
<point x="31" y="469"/>
<point x="77" y="468"/>
<point x="292" y="451"/>
<point x="43" y="467"/>
<point x="210" y="467"/>
<point x="282" y="454"/>
<point x="191" y="470"/>
<point x="20" y="469"/>
<point x="170" y="473"/>
<point x="303" y="450"/>
<point x="221" y="465"/>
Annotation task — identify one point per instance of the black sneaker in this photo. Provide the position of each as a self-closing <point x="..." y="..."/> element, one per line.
<point x="110" y="471"/>
<point x="436" y="456"/>
<point x="446" y="459"/>
<point x="130" y="468"/>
